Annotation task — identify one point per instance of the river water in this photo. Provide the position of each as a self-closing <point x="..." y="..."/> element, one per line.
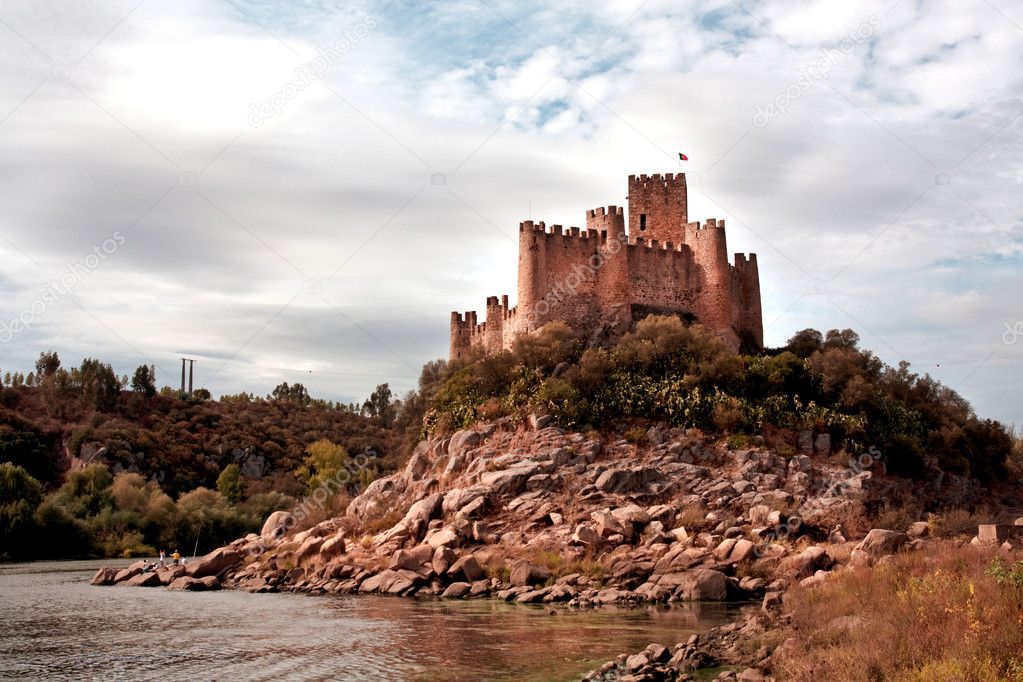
<point x="54" y="625"/>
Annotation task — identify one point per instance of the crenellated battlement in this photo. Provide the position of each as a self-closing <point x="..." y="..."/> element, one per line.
<point x="606" y="272"/>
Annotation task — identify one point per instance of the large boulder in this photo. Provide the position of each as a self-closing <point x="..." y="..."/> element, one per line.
<point x="463" y="441"/>
<point x="417" y="465"/>
<point x="333" y="546"/>
<point x="529" y="574"/>
<point x="734" y="550"/>
<point x="509" y="481"/>
<point x="880" y="542"/>
<point x="607" y="525"/>
<point x="147" y="579"/>
<point x="628" y="479"/>
<point x="129" y="572"/>
<point x="169" y="574"/>
<point x="411" y="559"/>
<point x="415" y="521"/>
<point x="445" y="537"/>
<point x="310" y="547"/>
<point x="443" y="558"/>
<point x="632" y="514"/>
<point x="104" y="576"/>
<point x="585" y="535"/>
<point x="214" y="563"/>
<point x="390" y="582"/>
<point x="806" y="563"/>
<point x="699" y="584"/>
<point x="210" y="582"/>
<point x="467" y="567"/>
<point x="276" y="525"/>
<point x="456" y="590"/>
<point x="920" y="529"/>
<point x="459" y="498"/>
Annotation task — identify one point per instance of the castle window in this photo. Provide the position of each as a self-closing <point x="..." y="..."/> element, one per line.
<point x="642" y="222"/>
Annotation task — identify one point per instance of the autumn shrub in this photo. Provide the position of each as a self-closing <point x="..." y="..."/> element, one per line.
<point x="955" y="522"/>
<point x="898" y="515"/>
<point x="942" y="615"/>
<point x="685" y="375"/>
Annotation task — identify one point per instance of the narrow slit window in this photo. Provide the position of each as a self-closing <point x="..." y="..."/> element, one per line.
<point x="642" y="222"/>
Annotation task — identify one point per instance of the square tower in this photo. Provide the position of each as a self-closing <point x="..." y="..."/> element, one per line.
<point x="658" y="207"/>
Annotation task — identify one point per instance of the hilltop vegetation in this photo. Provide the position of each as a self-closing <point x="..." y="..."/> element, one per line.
<point x="665" y="371"/>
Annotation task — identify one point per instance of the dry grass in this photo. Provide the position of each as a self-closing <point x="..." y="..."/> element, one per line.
<point x="947" y="614"/>
<point x="692" y="518"/>
<point x="560" y="565"/>
<point x="898" y="516"/>
<point x="384" y="521"/>
<point x="955" y="522"/>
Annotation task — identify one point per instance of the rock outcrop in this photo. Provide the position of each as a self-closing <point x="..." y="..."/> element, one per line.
<point x="541" y="516"/>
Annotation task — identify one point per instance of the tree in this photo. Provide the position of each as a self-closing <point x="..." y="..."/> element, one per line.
<point x="324" y="466"/>
<point x="201" y="395"/>
<point x="47" y="364"/>
<point x="295" y="393"/>
<point x="20" y="495"/>
<point x="379" y="405"/>
<point x="99" y="384"/>
<point x="143" y="381"/>
<point x="229" y="483"/>
<point x="845" y="338"/>
<point x="804" y="343"/>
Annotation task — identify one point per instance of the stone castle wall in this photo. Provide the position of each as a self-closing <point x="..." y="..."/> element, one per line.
<point x="603" y="277"/>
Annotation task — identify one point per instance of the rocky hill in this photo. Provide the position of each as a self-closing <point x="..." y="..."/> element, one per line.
<point x="537" y="515"/>
<point x="541" y="515"/>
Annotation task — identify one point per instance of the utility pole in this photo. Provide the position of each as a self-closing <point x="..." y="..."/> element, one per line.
<point x="191" y="365"/>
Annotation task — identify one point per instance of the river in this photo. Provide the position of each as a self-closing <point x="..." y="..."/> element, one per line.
<point x="57" y="626"/>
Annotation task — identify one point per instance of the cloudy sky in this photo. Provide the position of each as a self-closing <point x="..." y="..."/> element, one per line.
<point x="303" y="191"/>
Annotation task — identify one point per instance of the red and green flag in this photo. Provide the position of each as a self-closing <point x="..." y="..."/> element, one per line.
<point x="682" y="157"/>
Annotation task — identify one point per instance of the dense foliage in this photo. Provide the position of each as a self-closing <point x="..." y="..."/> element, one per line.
<point x="131" y="471"/>
<point x="94" y="513"/>
<point x="687" y="376"/>
<point x="55" y="416"/>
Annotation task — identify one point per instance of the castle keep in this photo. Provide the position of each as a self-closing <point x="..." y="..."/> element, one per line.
<point x="602" y="278"/>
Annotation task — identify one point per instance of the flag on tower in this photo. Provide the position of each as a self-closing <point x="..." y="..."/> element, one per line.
<point x="682" y="157"/>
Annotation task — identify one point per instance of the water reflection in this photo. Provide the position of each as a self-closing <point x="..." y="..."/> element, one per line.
<point x="56" y="625"/>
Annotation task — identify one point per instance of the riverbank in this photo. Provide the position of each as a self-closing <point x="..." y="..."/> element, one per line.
<point x="56" y="626"/>
<point x="947" y="613"/>
<point x="536" y="515"/>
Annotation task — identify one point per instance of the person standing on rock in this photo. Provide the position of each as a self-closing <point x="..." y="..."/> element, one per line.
<point x="176" y="557"/>
<point x="163" y="558"/>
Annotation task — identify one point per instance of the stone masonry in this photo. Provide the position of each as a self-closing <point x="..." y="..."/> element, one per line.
<point x="602" y="278"/>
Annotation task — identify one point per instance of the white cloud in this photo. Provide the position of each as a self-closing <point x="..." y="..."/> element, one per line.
<point x="530" y="112"/>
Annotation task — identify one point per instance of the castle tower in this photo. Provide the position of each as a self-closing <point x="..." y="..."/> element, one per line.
<point x="612" y="264"/>
<point x="710" y="253"/>
<point x="494" y="326"/>
<point x="530" y="268"/>
<point x="658" y="207"/>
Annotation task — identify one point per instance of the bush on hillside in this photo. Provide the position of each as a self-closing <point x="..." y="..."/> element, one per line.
<point x="686" y="375"/>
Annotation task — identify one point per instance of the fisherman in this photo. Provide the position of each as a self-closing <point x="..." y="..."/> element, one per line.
<point x="176" y="557"/>
<point x="163" y="558"/>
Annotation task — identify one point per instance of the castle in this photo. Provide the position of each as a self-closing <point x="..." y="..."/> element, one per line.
<point x="603" y="278"/>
